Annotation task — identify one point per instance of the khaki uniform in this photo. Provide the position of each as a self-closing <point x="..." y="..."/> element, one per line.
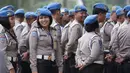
<point x="75" y="32"/>
<point x="114" y="34"/>
<point x="9" y="45"/>
<point x="121" y="43"/>
<point x="18" y="29"/>
<point x="107" y="28"/>
<point x="3" y="67"/>
<point x="42" y="43"/>
<point x="57" y="44"/>
<point x="89" y="50"/>
<point x="64" y="37"/>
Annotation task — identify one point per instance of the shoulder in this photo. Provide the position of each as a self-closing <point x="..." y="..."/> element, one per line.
<point x="2" y="36"/>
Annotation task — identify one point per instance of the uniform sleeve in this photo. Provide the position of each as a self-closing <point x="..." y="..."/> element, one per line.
<point x="59" y="57"/>
<point x="73" y="37"/>
<point x="78" y="54"/>
<point x="113" y="37"/>
<point x="3" y="46"/>
<point x="33" y="38"/>
<point x="64" y="38"/>
<point x="115" y="44"/>
<point x="96" y="50"/>
<point x="23" y="44"/>
<point x="108" y="29"/>
<point x="18" y="30"/>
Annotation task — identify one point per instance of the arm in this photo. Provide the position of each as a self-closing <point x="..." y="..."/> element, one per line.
<point x="73" y="37"/>
<point x="58" y="51"/>
<point x="33" y="38"/>
<point x="3" y="46"/>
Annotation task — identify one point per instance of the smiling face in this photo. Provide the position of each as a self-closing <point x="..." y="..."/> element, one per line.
<point x="44" y="21"/>
<point x="80" y="16"/>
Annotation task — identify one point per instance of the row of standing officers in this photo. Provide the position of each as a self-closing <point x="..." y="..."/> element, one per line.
<point x="55" y="40"/>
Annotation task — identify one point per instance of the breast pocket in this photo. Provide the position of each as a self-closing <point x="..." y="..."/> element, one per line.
<point x="12" y="45"/>
<point x="43" y="40"/>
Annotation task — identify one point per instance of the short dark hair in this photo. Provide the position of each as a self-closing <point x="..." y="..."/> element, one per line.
<point x="91" y="27"/>
<point x="20" y="15"/>
<point x="118" y="16"/>
<point x="98" y="10"/>
<point x="50" y="17"/>
<point x="4" y="21"/>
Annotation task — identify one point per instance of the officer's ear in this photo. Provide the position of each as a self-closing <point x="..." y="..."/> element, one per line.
<point x="58" y="12"/>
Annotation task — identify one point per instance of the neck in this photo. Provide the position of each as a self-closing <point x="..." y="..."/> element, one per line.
<point x="46" y="28"/>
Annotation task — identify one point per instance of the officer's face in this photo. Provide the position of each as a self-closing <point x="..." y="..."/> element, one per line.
<point x="12" y="21"/>
<point x="44" y="21"/>
<point x="80" y="16"/>
<point x="65" y="17"/>
<point x="30" y="20"/>
<point x="113" y="16"/>
<point x="122" y="18"/>
<point x="101" y="17"/>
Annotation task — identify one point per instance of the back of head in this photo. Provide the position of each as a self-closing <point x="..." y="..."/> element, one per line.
<point x="91" y="23"/>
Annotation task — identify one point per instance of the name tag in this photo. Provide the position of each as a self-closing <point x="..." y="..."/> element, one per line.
<point x="39" y="56"/>
<point x="46" y="57"/>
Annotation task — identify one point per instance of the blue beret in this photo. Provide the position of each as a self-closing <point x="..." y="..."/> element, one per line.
<point x="19" y="11"/>
<point x="119" y="12"/>
<point x="54" y="6"/>
<point x="128" y="14"/>
<point x="108" y="15"/>
<point x="90" y="19"/>
<point x="6" y="13"/>
<point x="43" y="12"/>
<point x="30" y="15"/>
<point x="126" y="8"/>
<point x="101" y="6"/>
<point x="114" y="8"/>
<point x="64" y="10"/>
<point x="71" y="12"/>
<point x="78" y="8"/>
<point x="8" y="7"/>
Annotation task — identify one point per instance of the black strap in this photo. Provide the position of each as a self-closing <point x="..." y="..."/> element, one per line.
<point x="14" y="37"/>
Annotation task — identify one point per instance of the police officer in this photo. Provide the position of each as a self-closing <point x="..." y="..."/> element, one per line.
<point x="120" y="20"/>
<point x="75" y="31"/>
<point x="65" y="18"/>
<point x="42" y="52"/>
<point x="56" y="15"/>
<point x="122" y="46"/>
<point x="23" y="44"/>
<point x="126" y="10"/>
<point x="8" y="42"/>
<point x="89" y="54"/>
<point x="108" y="26"/>
<point x="19" y="18"/>
<point x="64" y="39"/>
<point x="112" y="66"/>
